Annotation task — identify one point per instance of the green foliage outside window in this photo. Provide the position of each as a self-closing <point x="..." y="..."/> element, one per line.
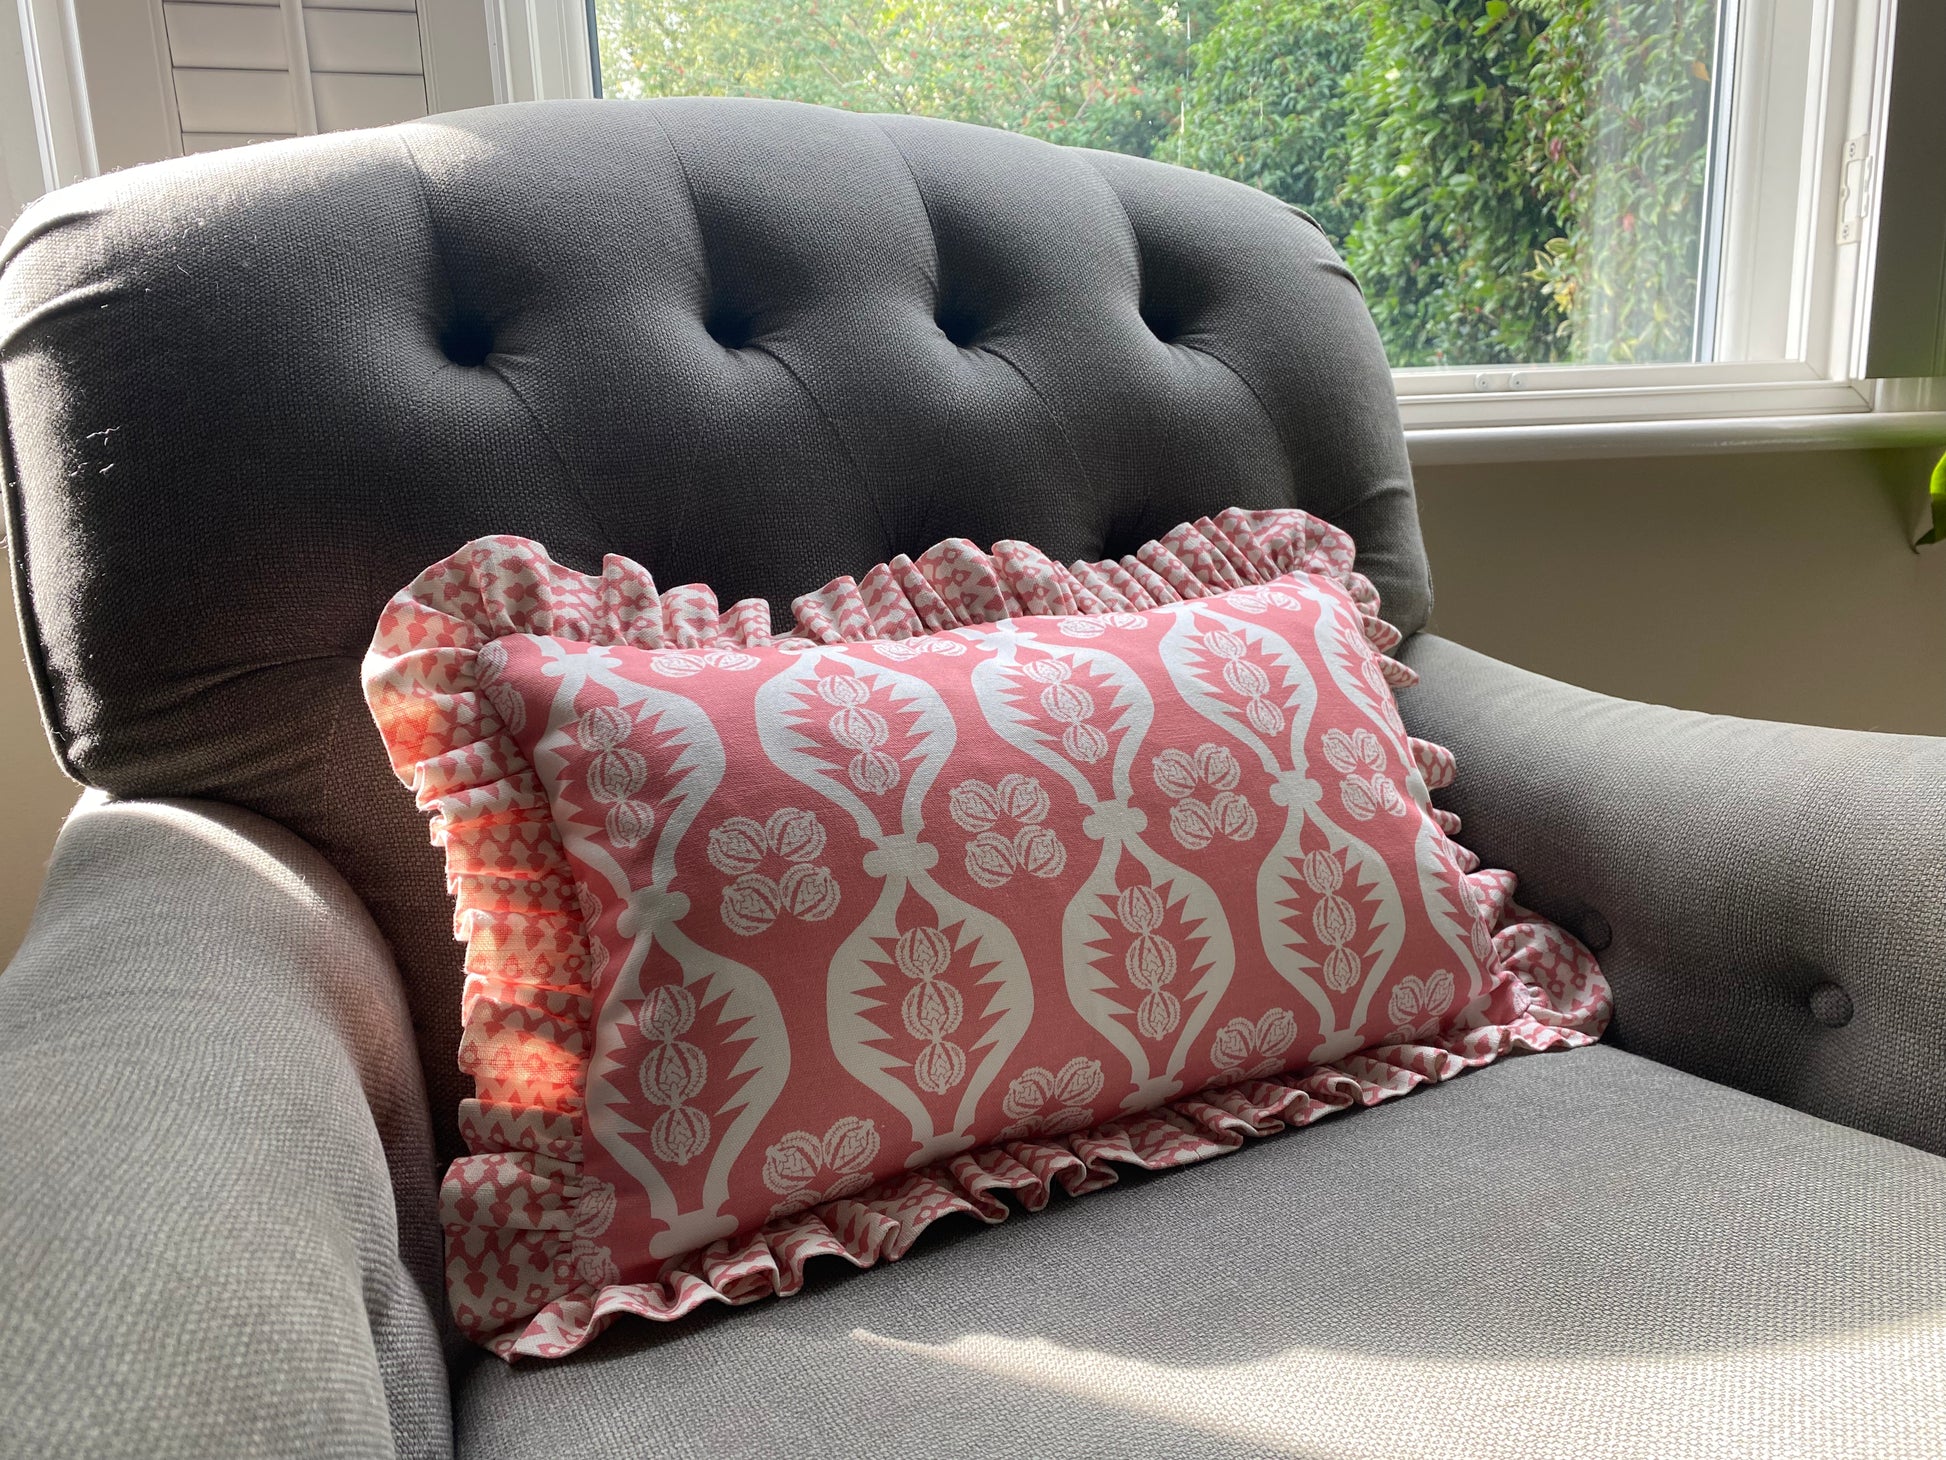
<point x="1513" y="181"/>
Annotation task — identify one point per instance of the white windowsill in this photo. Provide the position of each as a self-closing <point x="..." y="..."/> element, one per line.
<point x="1853" y="430"/>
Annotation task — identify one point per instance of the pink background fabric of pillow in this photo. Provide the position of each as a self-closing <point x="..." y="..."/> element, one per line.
<point x="994" y="875"/>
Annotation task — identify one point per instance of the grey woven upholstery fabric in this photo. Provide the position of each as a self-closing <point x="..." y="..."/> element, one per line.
<point x="1576" y="1254"/>
<point x="216" y="1170"/>
<point x="1769" y="901"/>
<point x="249" y="395"/>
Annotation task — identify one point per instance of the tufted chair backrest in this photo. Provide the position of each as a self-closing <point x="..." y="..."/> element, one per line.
<point x="248" y="396"/>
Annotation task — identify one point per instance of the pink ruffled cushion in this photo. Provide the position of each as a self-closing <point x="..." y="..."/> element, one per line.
<point x="549" y="1237"/>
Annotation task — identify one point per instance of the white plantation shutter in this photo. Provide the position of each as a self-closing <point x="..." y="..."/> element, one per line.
<point x="248" y="70"/>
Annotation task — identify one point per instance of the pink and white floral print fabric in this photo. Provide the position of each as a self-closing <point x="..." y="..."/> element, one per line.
<point x="993" y="875"/>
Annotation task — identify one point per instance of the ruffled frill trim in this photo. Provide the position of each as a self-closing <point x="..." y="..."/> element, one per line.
<point x="525" y="1274"/>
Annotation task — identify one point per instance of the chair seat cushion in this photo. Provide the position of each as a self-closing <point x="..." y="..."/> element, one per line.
<point x="1576" y="1253"/>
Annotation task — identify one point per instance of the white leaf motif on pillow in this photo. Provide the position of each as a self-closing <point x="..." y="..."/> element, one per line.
<point x="1235" y="817"/>
<point x="1417" y="1004"/>
<point x="992" y="857"/>
<point x="1022" y="798"/>
<point x="593" y="1263"/>
<point x="873" y="772"/>
<point x="809" y="894"/>
<point x="974" y="805"/>
<point x="616" y="773"/>
<point x="1217" y="768"/>
<point x="839" y="1162"/>
<point x="750" y="904"/>
<point x="1259" y="600"/>
<point x="1322" y="874"/>
<point x="672" y="1073"/>
<point x="1150" y="961"/>
<point x="596" y="1207"/>
<point x="933" y="1010"/>
<point x="1374" y="675"/>
<point x="1479" y="937"/>
<point x="753" y="901"/>
<point x="1197" y="823"/>
<point x="1038" y="851"/>
<point x="1333" y="919"/>
<point x="1247" y="1051"/>
<point x="1094" y="625"/>
<point x="794" y="835"/>
<point x="862" y="730"/>
<point x="901" y="650"/>
<point x="1175" y="773"/>
<point x="1069" y="706"/>
<point x="1360" y="758"/>
<point x="681" y="663"/>
<point x="1192" y="824"/>
<point x="1357" y="751"/>
<point x="737" y="846"/>
<point x="1049" y="1103"/>
<point x="1368" y="796"/>
<point x="1246" y="680"/>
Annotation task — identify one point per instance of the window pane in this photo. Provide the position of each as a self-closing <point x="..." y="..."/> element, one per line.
<point x="1514" y="181"/>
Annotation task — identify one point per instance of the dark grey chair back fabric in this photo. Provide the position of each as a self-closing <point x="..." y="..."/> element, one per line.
<point x="248" y="396"/>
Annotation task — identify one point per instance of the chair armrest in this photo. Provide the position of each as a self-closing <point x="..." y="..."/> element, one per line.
<point x="1768" y="901"/>
<point x="218" y="1206"/>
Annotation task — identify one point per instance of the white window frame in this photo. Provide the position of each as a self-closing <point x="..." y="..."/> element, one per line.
<point x="541" y="50"/>
<point x="1809" y="89"/>
<point x="62" y="137"/>
<point x="1816" y="72"/>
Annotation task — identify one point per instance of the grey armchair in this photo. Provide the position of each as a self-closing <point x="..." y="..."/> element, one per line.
<point x="249" y="395"/>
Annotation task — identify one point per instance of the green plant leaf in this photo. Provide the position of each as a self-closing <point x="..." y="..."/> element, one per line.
<point x="1937" y="533"/>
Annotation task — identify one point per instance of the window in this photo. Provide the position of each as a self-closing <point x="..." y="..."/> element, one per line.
<point x="1514" y="181"/>
<point x="1609" y="208"/>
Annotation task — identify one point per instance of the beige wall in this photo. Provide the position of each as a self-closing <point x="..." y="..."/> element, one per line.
<point x="34" y="792"/>
<point x="1774" y="586"/>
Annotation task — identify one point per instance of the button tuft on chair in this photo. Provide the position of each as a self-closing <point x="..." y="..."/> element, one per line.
<point x="466" y="340"/>
<point x="1594" y="932"/>
<point x="1162" y="321"/>
<point x="1831" y="1005"/>
<point x="957" y="323"/>
<point x="729" y="326"/>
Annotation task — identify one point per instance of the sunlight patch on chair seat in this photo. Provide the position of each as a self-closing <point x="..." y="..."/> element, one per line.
<point x="1873" y="1391"/>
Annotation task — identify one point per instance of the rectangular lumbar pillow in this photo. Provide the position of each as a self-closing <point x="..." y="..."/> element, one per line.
<point x="991" y="876"/>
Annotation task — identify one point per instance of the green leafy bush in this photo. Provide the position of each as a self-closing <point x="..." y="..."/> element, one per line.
<point x="1513" y="181"/>
<point x="1618" y="101"/>
<point x="1440" y="179"/>
<point x="1096" y="73"/>
<point x="1266" y="101"/>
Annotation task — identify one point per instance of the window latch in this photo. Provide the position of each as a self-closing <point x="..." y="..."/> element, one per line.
<point x="1855" y="190"/>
